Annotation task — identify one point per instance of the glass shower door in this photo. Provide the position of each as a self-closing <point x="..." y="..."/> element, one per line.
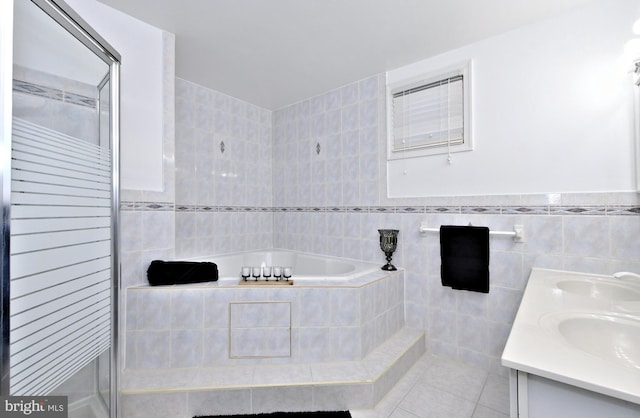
<point x="62" y="281"/>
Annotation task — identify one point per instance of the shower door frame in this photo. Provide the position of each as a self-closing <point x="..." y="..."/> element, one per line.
<point x="64" y="15"/>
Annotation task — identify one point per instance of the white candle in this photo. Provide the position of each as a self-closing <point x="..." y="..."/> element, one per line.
<point x="266" y="271"/>
<point x="277" y="271"/>
<point x="246" y="271"/>
<point x="286" y="272"/>
<point x="256" y="272"/>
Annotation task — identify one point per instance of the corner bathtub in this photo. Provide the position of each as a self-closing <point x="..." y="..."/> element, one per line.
<point x="337" y="310"/>
<point x="306" y="267"/>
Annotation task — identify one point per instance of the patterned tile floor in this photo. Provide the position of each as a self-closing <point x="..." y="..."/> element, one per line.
<point x="436" y="387"/>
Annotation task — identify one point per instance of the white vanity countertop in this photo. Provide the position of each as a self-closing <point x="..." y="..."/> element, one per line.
<point x="534" y="347"/>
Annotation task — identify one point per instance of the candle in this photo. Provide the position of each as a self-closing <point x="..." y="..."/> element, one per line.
<point x="266" y="271"/>
<point x="277" y="271"/>
<point x="256" y="272"/>
<point x="286" y="272"/>
<point x="246" y="271"/>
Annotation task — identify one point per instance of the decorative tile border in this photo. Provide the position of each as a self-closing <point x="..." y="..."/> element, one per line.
<point x="53" y="94"/>
<point x="149" y="207"/>
<point x="80" y="100"/>
<point x="623" y="210"/>
<point x="525" y="210"/>
<point x="37" y="90"/>
<point x="410" y="209"/>
<point x="481" y="210"/>
<point x="442" y="209"/>
<point x="572" y="210"/>
<point x="618" y="210"/>
<point x="383" y="209"/>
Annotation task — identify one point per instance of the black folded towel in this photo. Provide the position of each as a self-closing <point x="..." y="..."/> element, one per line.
<point x="464" y="252"/>
<point x="162" y="273"/>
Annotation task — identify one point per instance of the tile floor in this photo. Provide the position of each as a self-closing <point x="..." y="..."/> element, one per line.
<point x="436" y="387"/>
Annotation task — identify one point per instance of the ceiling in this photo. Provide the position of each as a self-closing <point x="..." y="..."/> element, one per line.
<point x="273" y="53"/>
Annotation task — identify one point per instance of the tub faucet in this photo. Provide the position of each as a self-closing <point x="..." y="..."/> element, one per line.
<point x="626" y="275"/>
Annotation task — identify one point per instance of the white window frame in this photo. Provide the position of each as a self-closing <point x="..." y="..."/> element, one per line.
<point x="406" y="82"/>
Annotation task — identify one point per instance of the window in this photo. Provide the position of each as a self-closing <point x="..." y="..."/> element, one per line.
<point x="429" y="114"/>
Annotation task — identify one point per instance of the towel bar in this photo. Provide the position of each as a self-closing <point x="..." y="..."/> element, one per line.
<point x="517" y="234"/>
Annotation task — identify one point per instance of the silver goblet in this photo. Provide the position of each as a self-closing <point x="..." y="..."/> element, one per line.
<point x="388" y="244"/>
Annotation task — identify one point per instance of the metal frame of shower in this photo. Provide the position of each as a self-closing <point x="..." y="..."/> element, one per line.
<point x="64" y="15"/>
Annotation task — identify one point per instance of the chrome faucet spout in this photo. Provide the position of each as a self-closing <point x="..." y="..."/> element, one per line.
<point x="626" y="275"/>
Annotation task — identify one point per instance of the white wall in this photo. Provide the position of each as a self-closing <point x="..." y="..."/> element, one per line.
<point x="552" y="111"/>
<point x="141" y="104"/>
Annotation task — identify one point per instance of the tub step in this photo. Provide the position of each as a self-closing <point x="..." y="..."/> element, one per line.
<point x="263" y="388"/>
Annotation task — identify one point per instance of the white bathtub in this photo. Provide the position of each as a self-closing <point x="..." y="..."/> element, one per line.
<point x="342" y="300"/>
<point x="305" y="266"/>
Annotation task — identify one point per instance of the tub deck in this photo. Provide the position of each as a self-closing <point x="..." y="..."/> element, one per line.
<point x="265" y="283"/>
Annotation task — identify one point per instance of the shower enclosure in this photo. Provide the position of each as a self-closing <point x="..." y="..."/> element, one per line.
<point x="59" y="84"/>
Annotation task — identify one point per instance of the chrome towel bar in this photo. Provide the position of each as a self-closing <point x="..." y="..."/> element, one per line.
<point x="517" y="234"/>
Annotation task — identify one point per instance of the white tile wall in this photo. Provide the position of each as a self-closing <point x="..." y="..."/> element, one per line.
<point x="65" y="105"/>
<point x="223" y="161"/>
<point x="270" y="188"/>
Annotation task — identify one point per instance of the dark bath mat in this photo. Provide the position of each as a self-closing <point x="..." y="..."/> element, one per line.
<point x="334" y="414"/>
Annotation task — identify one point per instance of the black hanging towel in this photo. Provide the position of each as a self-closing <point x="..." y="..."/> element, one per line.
<point x="464" y="253"/>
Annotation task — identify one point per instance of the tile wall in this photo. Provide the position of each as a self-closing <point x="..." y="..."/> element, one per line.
<point x="335" y="202"/>
<point x="310" y="177"/>
<point x="61" y="104"/>
<point x="223" y="173"/>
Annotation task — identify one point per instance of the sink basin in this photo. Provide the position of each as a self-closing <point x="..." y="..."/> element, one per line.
<point x="611" y="337"/>
<point x="601" y="289"/>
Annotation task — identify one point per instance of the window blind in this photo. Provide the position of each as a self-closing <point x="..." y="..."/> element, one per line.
<point x="60" y="257"/>
<point x="428" y="115"/>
